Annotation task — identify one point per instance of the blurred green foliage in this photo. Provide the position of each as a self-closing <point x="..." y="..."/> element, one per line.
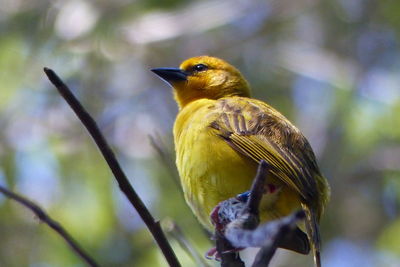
<point x="332" y="67"/>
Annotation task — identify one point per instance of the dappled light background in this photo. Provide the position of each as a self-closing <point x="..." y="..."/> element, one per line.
<point x="332" y="67"/>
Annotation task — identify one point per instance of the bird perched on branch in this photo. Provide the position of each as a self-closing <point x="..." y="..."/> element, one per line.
<point x="221" y="134"/>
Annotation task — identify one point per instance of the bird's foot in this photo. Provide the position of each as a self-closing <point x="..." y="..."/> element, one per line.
<point x="212" y="254"/>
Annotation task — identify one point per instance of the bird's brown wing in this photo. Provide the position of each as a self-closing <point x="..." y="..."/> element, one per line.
<point x="258" y="131"/>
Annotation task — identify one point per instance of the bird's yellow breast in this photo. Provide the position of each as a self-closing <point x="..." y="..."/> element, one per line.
<point x="210" y="170"/>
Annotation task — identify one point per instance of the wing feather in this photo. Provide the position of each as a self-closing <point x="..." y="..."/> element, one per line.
<point x="259" y="132"/>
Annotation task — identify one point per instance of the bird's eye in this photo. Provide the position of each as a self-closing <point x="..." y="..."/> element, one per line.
<point x="200" y="67"/>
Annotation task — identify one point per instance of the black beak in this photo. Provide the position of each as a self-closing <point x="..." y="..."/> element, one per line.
<point x="171" y="75"/>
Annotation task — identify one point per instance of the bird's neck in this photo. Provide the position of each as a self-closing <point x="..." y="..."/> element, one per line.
<point x="182" y="100"/>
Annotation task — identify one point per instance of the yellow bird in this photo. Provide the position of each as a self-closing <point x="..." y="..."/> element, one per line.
<point x="221" y="134"/>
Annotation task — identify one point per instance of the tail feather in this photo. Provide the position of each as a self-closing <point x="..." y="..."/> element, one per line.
<point x="312" y="229"/>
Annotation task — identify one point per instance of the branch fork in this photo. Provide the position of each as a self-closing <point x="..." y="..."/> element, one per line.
<point x="236" y="223"/>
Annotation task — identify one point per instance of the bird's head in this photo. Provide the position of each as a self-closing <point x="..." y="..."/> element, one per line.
<point x="204" y="77"/>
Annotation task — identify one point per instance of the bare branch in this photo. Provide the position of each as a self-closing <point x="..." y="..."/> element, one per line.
<point x="115" y="167"/>
<point x="240" y="237"/>
<point x="42" y="215"/>
<point x="236" y="220"/>
<point x="176" y="232"/>
<point x="165" y="158"/>
<point x="277" y="230"/>
<point x="248" y="218"/>
<point x="251" y="212"/>
<point x="229" y="256"/>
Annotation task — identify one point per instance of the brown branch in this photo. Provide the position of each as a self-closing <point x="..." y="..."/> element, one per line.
<point x="176" y="232"/>
<point x="42" y="215"/>
<point x="123" y="182"/>
<point x="229" y="257"/>
<point x="248" y="219"/>
<point x="237" y="220"/>
<point x="278" y="230"/>
<point x="240" y="237"/>
<point x="251" y="211"/>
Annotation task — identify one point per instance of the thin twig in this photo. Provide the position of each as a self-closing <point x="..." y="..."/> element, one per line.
<point x="257" y="189"/>
<point x="165" y="158"/>
<point x="123" y="182"/>
<point x="176" y="232"/>
<point x="258" y="237"/>
<point x="248" y="219"/>
<point x="42" y="215"/>
<point x="237" y="220"/>
<point x="256" y="193"/>
<point x="283" y="228"/>
<point x="229" y="257"/>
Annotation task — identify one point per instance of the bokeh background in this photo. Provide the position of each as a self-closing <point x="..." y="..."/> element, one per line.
<point x="332" y="67"/>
